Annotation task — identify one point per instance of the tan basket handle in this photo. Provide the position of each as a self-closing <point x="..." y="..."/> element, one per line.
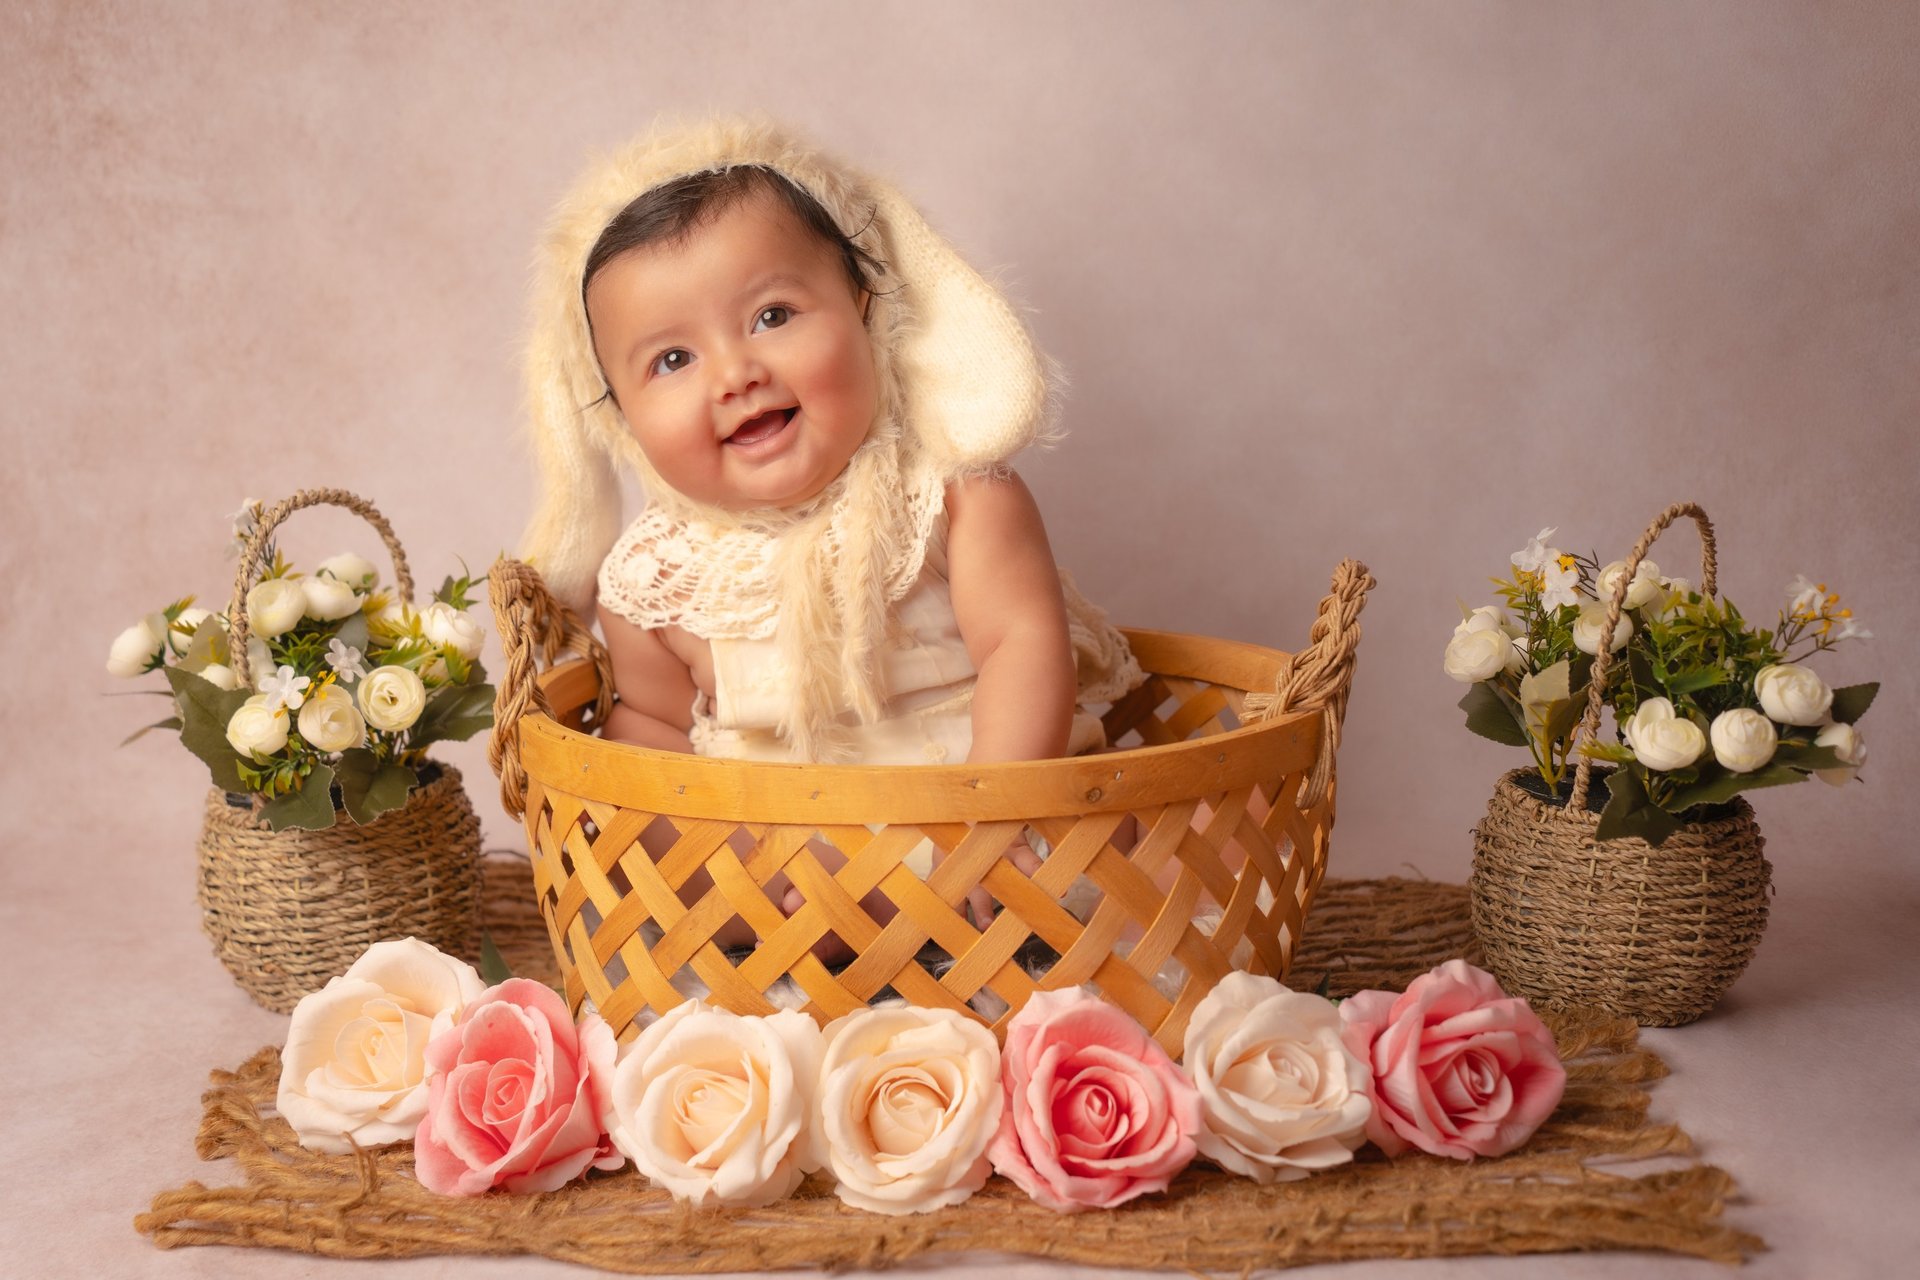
<point x="1597" y="681"/>
<point x="534" y="629"/>
<point x="1321" y="675"/>
<point x="253" y="557"/>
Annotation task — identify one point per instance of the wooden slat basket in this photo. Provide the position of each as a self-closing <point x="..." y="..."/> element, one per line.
<point x="1225" y="761"/>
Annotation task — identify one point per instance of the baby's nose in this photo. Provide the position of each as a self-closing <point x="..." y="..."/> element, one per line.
<point x="740" y="373"/>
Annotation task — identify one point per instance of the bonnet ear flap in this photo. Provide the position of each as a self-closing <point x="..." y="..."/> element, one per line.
<point x="576" y="516"/>
<point x="974" y="385"/>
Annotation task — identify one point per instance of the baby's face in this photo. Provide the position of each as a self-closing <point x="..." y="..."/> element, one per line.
<point x="740" y="358"/>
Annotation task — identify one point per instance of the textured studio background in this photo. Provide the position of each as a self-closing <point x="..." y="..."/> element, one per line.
<point x="1398" y="282"/>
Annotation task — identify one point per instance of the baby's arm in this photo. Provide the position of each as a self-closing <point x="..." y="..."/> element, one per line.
<point x="656" y="687"/>
<point x="1013" y="618"/>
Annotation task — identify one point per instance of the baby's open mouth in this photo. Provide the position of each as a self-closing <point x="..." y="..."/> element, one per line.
<point x="764" y="427"/>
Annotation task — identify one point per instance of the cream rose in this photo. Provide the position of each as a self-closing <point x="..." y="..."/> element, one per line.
<point x="351" y="569"/>
<point x="391" y="698"/>
<point x="1792" y="694"/>
<point x="329" y="722"/>
<point x="185" y="627"/>
<point x="717" y="1108"/>
<point x="275" y="607"/>
<point x="354" y="1066"/>
<point x="328" y="599"/>
<point x="135" y="650"/>
<point x="1477" y="655"/>
<point x="1662" y="741"/>
<point x="1848" y="745"/>
<point x="1743" y="739"/>
<point x="909" y="1099"/>
<point x="1644" y="589"/>
<point x="1586" y="629"/>
<point x="256" y="731"/>
<point x="1673" y="594"/>
<point x="219" y="675"/>
<point x="445" y="625"/>
<point x="1488" y="617"/>
<point x="1281" y="1093"/>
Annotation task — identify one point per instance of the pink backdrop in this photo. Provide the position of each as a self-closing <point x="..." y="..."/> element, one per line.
<point x="1402" y="284"/>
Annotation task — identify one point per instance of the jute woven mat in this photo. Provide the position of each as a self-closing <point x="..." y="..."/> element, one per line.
<point x="1551" y="1196"/>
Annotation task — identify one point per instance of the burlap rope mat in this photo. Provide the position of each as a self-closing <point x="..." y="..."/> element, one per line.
<point x="1545" y="1198"/>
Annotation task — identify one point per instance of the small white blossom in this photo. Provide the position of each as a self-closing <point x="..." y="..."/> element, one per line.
<point x="1804" y="597"/>
<point x="1560" y="577"/>
<point x="347" y="662"/>
<point x="244" y="521"/>
<point x="1536" y="555"/>
<point x="285" y="689"/>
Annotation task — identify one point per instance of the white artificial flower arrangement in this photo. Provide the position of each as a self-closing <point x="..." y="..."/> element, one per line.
<point x="1707" y="705"/>
<point x="349" y="686"/>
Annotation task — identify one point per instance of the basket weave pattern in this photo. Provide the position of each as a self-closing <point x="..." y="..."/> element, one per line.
<point x="1232" y="794"/>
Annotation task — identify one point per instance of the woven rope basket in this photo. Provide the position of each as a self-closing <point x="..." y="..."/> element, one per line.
<point x="288" y="910"/>
<point x="1227" y="767"/>
<point x="1653" y="934"/>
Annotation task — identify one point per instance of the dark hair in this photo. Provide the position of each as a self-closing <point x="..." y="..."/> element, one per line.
<point x="673" y="210"/>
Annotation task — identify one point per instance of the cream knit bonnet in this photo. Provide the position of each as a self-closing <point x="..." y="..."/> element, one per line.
<point x="961" y="389"/>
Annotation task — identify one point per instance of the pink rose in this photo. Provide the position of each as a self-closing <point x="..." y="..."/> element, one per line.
<point x="1095" y="1112"/>
<point x="514" y="1095"/>
<point x="1459" y="1068"/>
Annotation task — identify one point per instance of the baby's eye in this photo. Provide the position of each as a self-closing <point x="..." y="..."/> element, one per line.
<point x="771" y="318"/>
<point x="671" y="361"/>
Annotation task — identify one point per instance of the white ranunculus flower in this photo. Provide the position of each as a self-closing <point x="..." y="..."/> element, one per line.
<point x="351" y="569"/>
<point x="1488" y="617"/>
<point x="1477" y="655"/>
<point x="1282" y="1095"/>
<point x="1848" y="745"/>
<point x="257" y="729"/>
<point x="1644" y="589"/>
<point x="1743" y="739"/>
<point x="1792" y="694"/>
<point x="135" y="650"/>
<point x="391" y="698"/>
<point x="329" y="722"/>
<point x="717" y="1108"/>
<point x="328" y="599"/>
<point x="260" y="664"/>
<point x="1661" y="740"/>
<point x="219" y="675"/>
<point x="1518" y="659"/>
<point x="275" y="607"/>
<point x="354" y="1066"/>
<point x="909" y="1099"/>
<point x="1673" y="594"/>
<point x="445" y="625"/>
<point x="1586" y="629"/>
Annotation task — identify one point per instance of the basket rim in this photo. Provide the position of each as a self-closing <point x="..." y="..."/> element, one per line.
<point x="1586" y="822"/>
<point x="671" y="782"/>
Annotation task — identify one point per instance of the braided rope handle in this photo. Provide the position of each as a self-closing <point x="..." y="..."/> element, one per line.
<point x="1321" y="675"/>
<point x="534" y="630"/>
<point x="253" y="560"/>
<point x="1602" y="660"/>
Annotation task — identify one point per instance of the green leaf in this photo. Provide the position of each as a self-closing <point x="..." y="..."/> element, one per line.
<point x="1694" y="681"/>
<point x="1563" y="716"/>
<point x="205" y="709"/>
<point x="1804" y="755"/>
<point x="454" y="713"/>
<point x="1490" y="716"/>
<point x="1850" y="703"/>
<point x="171" y="722"/>
<point x="310" y="808"/>
<point x="493" y="966"/>
<point x="1725" y="785"/>
<point x="1630" y="812"/>
<point x="369" y="787"/>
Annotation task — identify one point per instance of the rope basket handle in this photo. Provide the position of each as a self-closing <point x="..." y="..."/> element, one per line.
<point x="1602" y="660"/>
<point x="1321" y="675"/>
<point x="534" y="629"/>
<point x="253" y="560"/>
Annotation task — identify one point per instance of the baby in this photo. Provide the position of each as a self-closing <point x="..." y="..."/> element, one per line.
<point x="819" y="398"/>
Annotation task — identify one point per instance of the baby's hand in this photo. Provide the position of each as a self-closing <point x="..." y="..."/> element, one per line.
<point x="979" y="901"/>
